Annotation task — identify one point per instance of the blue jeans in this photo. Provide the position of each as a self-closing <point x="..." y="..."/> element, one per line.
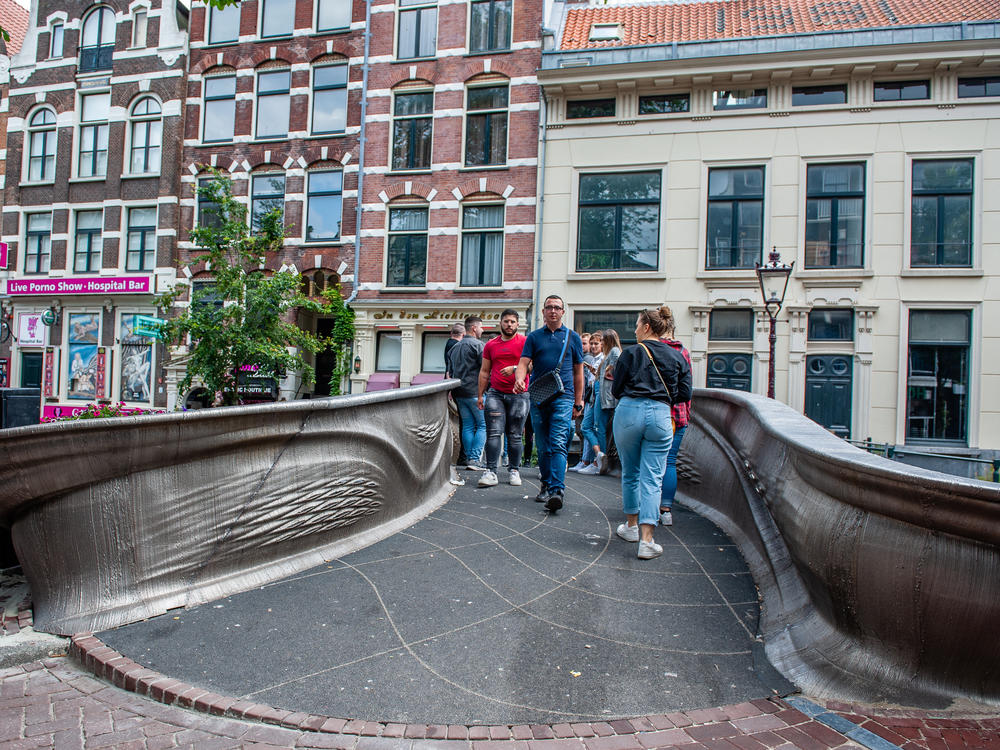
<point x="670" y="476"/>
<point x="473" y="427"/>
<point x="591" y="432"/>
<point x="552" y="426"/>
<point x="505" y="414"/>
<point x="643" y="433"/>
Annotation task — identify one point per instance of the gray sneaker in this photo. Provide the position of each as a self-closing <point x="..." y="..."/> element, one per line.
<point x="665" y="518"/>
<point x="488" y="479"/>
<point x="628" y="533"/>
<point x="515" y="478"/>
<point x="649" y="550"/>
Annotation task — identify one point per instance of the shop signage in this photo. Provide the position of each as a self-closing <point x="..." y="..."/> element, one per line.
<point x="3" y="255"/>
<point x="434" y="315"/>
<point x="30" y="330"/>
<point x="49" y="373"/>
<point x="4" y="372"/>
<point x="101" y="374"/>
<point x="82" y="285"/>
<point x="148" y="326"/>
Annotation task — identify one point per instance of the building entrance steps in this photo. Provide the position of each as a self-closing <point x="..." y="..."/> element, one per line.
<point x="488" y="611"/>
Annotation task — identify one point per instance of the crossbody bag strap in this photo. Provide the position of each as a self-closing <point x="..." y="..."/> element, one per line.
<point x="562" y="355"/>
<point x="657" y="370"/>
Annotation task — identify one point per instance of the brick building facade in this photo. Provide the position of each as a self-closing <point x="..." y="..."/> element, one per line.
<point x="90" y="197"/>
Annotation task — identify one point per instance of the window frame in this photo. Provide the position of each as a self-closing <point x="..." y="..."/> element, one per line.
<point x="898" y="87"/>
<point x="148" y="120"/>
<point x="53" y="35"/>
<point x="310" y="194"/>
<point x="735" y="203"/>
<point x="102" y="53"/>
<point x="37" y="238"/>
<point x="409" y="234"/>
<point x="988" y="83"/>
<point x="941" y="194"/>
<point x="206" y="98"/>
<point x="491" y="26"/>
<point x="418" y="8"/>
<point x="263" y="21"/>
<point x="581" y="204"/>
<point x="259" y="98"/>
<point x="317" y="90"/>
<point x="140" y="342"/>
<point x="488" y="113"/>
<point x="97" y="130"/>
<point x="744" y="102"/>
<point x="202" y="204"/>
<point x="685" y="95"/>
<point x="437" y="364"/>
<point x="147" y="255"/>
<point x="328" y="29"/>
<point x="747" y="312"/>
<point x="140" y="27"/>
<point x="584" y="104"/>
<point x="811" y="336"/>
<point x="50" y="136"/>
<point x="481" y="281"/>
<point x="255" y="198"/>
<point x="212" y="13"/>
<point x="835" y="198"/>
<point x="817" y="89"/>
<point x="384" y="335"/>
<point x="89" y="235"/>
<point x="409" y="121"/>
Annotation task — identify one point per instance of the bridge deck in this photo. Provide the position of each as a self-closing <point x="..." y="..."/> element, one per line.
<point x="488" y="611"/>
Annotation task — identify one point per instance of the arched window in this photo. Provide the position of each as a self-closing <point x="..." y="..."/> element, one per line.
<point x="42" y="145"/>
<point x="146" y="137"/>
<point x="97" y="42"/>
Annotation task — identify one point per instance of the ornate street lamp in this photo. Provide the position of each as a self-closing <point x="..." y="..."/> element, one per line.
<point x="773" y="279"/>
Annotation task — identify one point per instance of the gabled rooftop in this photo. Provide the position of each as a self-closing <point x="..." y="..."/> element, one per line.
<point x="14" y="19"/>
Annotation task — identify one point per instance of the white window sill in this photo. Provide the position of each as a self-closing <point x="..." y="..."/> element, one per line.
<point x="141" y="176"/>
<point x="101" y="178"/>
<point x="929" y="271"/>
<point x="617" y="275"/>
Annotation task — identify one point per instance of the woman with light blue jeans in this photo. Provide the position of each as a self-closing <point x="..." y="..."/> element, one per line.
<point x="649" y="378"/>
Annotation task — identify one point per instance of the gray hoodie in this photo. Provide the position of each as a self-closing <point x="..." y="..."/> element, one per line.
<point x="466" y="359"/>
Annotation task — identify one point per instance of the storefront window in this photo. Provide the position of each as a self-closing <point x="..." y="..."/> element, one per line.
<point x="137" y="363"/>
<point x="432" y="357"/>
<point x="81" y="355"/>
<point x="389" y="351"/>
<point x="937" y="382"/>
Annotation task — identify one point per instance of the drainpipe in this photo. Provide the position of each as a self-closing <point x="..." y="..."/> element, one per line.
<point x="540" y="213"/>
<point x="361" y="150"/>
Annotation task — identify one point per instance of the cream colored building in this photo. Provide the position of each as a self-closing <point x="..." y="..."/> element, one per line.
<point x="869" y="157"/>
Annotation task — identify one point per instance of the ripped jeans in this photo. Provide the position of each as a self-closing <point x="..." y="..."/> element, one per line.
<point x="505" y="414"/>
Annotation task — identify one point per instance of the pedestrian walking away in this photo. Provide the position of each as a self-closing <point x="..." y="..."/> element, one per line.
<point x="504" y="410"/>
<point x="457" y="333"/>
<point x="553" y="348"/>
<point x="650" y="378"/>
<point x="593" y="457"/>
<point x="604" y="399"/>
<point x="466" y="360"/>
<point x="680" y="413"/>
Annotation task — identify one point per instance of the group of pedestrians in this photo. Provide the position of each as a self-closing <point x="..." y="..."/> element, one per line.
<point x="646" y="387"/>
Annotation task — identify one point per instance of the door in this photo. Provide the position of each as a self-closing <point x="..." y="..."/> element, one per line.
<point x="828" y="392"/>
<point x="31" y="369"/>
<point x="729" y="371"/>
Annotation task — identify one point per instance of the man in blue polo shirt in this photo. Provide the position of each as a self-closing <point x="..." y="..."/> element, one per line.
<point x="542" y="349"/>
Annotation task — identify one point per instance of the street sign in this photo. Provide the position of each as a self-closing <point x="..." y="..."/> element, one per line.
<point x="146" y="325"/>
<point x="49" y="317"/>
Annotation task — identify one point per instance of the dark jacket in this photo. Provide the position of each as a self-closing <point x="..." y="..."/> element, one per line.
<point x="635" y="375"/>
<point x="466" y="359"/>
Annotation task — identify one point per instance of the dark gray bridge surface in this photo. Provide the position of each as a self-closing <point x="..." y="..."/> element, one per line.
<point x="487" y="611"/>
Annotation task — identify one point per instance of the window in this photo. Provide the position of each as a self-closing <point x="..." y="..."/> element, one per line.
<point x="432" y="353"/>
<point x="835" y="207"/>
<point x="482" y="245"/>
<point x="622" y="321"/>
<point x="486" y="126"/>
<point x="605" y="32"/>
<point x="941" y="213"/>
<point x="417" y="29"/>
<point x="277" y="17"/>
<point x="333" y="14"/>
<point x="389" y="348"/>
<point x="94" y="135"/>
<point x="97" y="41"/>
<point x="88" y="248"/>
<point x="42" y="145"/>
<point x="894" y="91"/>
<point x="406" y="264"/>
<point x="224" y="25"/>
<point x="323" y="212"/>
<point x="139" y="26"/>
<point x="83" y="332"/>
<point x="730" y="325"/>
<point x="220" y="108"/>
<point x="831" y="325"/>
<point x="412" y="130"/>
<point x="937" y="381"/>
<point x="208" y="210"/>
<point x="329" y="108"/>
<point x="590" y="108"/>
<point x="137" y="363"/>
<point x="735" y="217"/>
<point x="660" y="104"/>
<point x="739" y="99"/>
<point x="56" y="38"/>
<point x="267" y="195"/>
<point x="141" y="243"/>
<point x="972" y="87"/>
<point x="273" y="102"/>
<point x="146" y="136"/>
<point x="490" y="25"/>
<point x="619" y="223"/>
<point x="810" y="96"/>
<point x="38" y="243"/>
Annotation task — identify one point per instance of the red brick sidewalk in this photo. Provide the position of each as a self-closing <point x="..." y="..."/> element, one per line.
<point x="922" y="730"/>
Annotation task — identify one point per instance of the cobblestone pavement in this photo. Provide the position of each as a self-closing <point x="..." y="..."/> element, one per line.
<point x="55" y="704"/>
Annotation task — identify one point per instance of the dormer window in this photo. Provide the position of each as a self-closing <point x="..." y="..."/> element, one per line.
<point x="605" y="32"/>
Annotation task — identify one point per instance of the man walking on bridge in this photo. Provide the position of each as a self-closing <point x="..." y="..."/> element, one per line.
<point x="553" y="348"/>
<point x="466" y="359"/>
<point x="505" y="410"/>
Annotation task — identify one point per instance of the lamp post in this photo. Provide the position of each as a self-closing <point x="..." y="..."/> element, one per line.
<point x="773" y="279"/>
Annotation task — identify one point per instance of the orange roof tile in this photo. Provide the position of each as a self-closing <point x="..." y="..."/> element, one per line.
<point x="13" y="19"/>
<point x="664" y="23"/>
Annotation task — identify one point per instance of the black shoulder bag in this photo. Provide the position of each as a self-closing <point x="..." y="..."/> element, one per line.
<point x="546" y="388"/>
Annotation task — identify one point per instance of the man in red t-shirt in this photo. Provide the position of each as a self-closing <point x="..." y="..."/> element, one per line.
<point x="505" y="411"/>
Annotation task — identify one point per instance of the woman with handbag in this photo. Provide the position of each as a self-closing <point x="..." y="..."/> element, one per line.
<point x="680" y="412"/>
<point x="649" y="378"/>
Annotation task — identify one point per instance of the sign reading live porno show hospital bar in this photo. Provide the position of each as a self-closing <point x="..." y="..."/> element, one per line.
<point x="82" y="285"/>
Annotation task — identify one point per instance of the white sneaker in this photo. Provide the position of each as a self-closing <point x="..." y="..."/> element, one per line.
<point x="577" y="467"/>
<point x="649" y="550"/>
<point x="602" y="463"/>
<point x="488" y="479"/>
<point x="515" y="478"/>
<point x="590" y="469"/>
<point x="666" y="519"/>
<point x="628" y="533"/>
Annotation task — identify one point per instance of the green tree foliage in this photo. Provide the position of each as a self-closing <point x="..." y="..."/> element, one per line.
<point x="245" y="316"/>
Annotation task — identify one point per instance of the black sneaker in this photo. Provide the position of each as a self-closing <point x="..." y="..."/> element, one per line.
<point x="555" y="501"/>
<point x="543" y="495"/>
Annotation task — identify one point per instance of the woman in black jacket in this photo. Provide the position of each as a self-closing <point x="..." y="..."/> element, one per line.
<point x="649" y="378"/>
